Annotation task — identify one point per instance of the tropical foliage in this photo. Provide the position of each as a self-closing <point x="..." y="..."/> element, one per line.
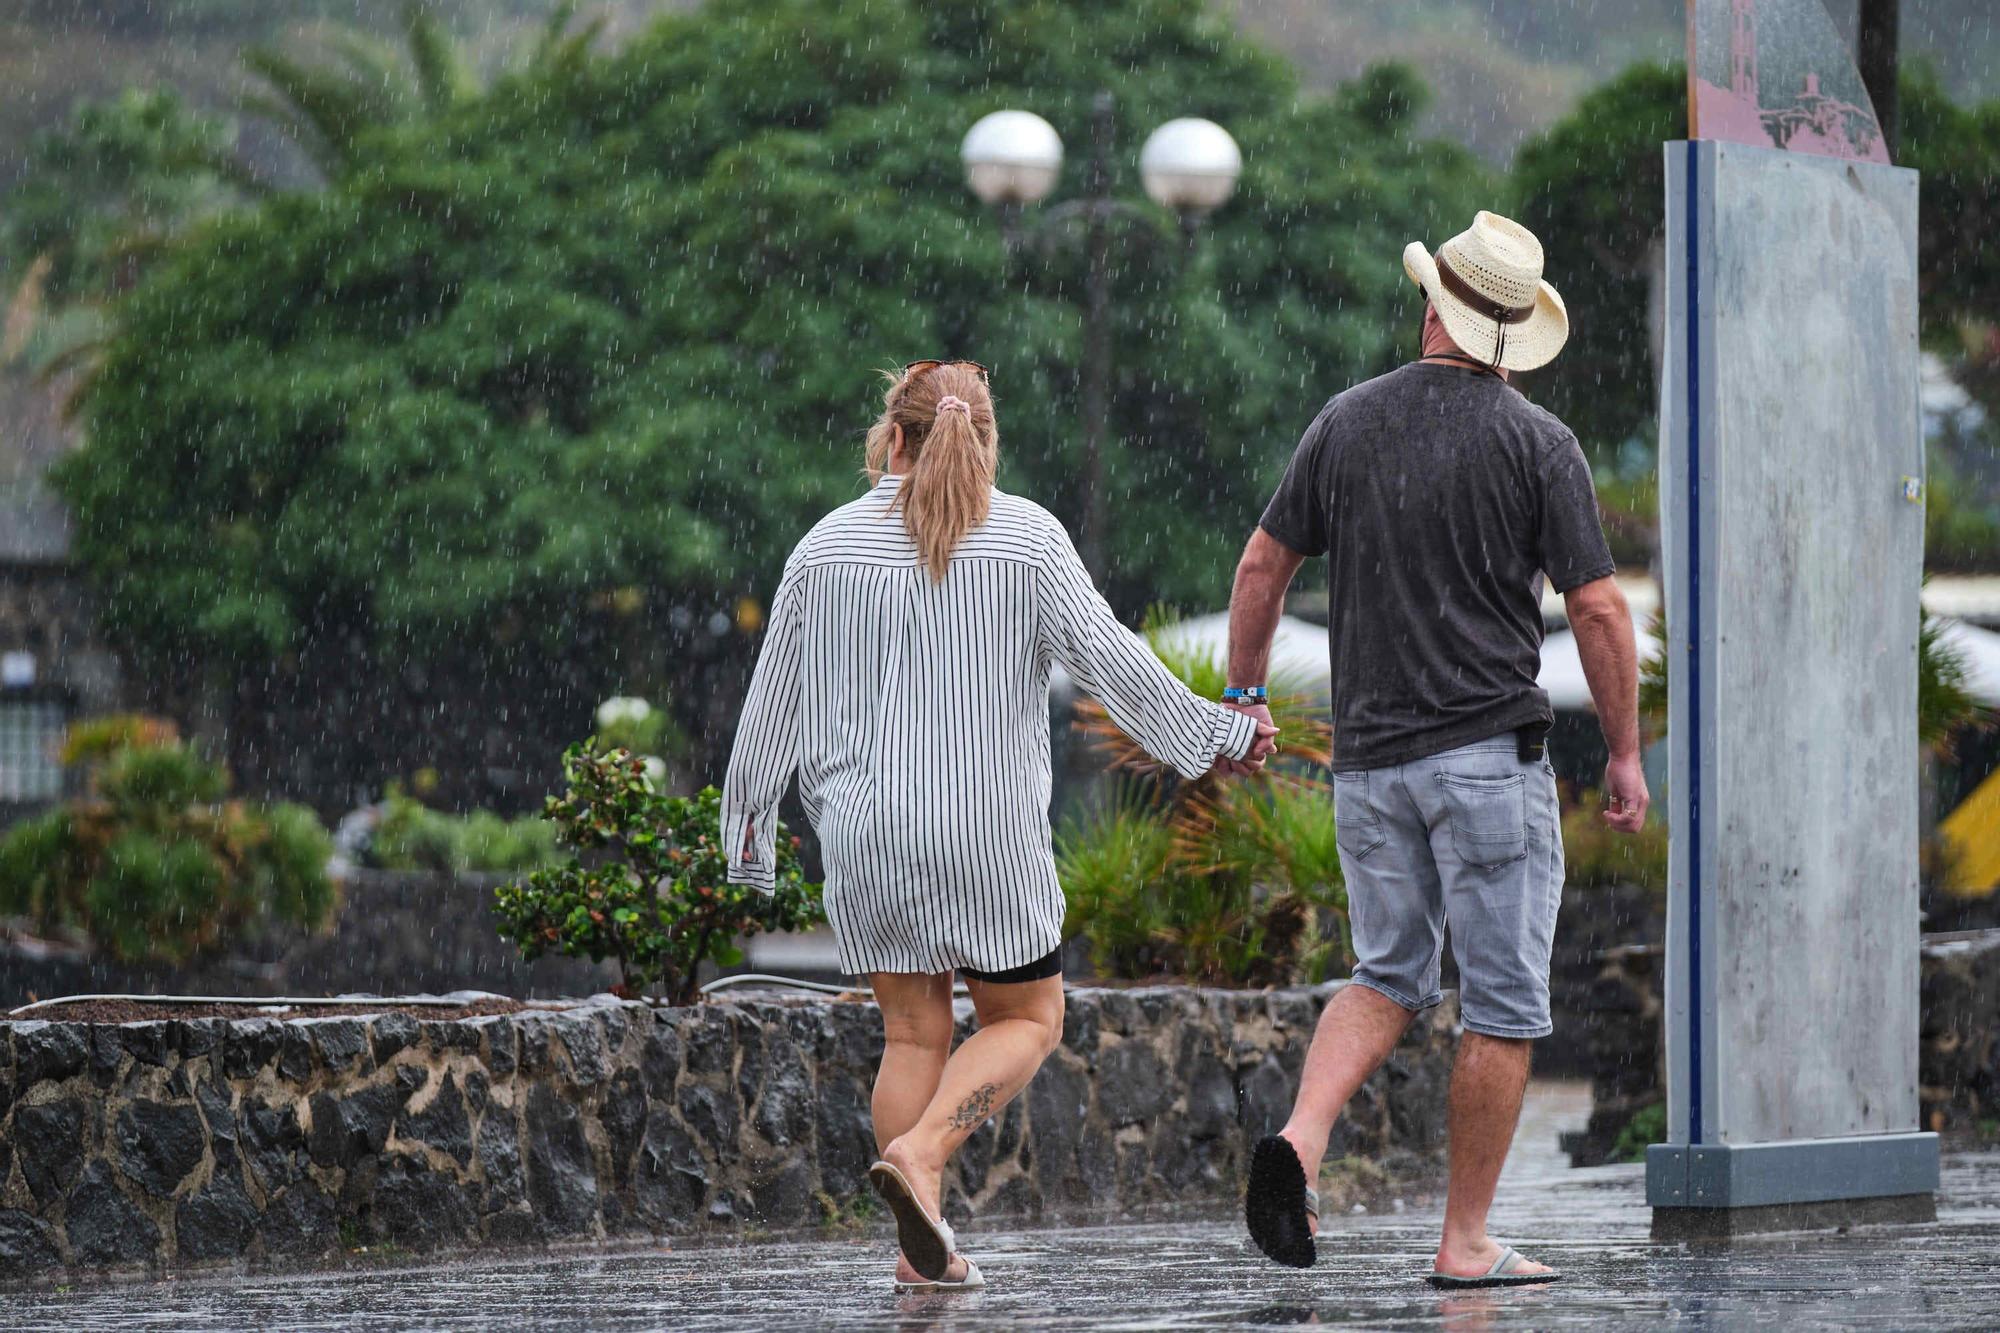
<point x="329" y="110"/>
<point x="647" y="882"/>
<point x="1220" y="881"/>
<point x="112" y="185"/>
<point x="155" y="862"/>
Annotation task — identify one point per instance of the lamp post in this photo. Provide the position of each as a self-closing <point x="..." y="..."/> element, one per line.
<point x="1012" y="160"/>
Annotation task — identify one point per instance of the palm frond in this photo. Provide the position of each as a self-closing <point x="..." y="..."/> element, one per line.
<point x="1276" y="831"/>
<point x="323" y="111"/>
<point x="1943" y="702"/>
<point x="1653" y="680"/>
<point x="222" y="164"/>
<point x="24" y="309"/>
<point x="1305" y="733"/>
<point x="557" y="47"/>
<point x="442" y="76"/>
<point x="375" y="66"/>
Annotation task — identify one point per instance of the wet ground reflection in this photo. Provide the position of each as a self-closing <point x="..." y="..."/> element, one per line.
<point x="1160" y="1275"/>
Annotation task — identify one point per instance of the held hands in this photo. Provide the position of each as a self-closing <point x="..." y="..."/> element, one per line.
<point x="1625" y="797"/>
<point x="1261" y="749"/>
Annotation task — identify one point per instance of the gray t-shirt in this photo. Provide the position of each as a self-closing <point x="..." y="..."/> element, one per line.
<point x="1440" y="495"/>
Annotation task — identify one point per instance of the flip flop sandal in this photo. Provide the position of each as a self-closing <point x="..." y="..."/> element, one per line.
<point x="1502" y="1274"/>
<point x="927" y="1242"/>
<point x="1278" y="1202"/>
<point x="972" y="1281"/>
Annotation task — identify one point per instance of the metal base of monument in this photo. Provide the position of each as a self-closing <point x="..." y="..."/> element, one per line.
<point x="1719" y="1190"/>
<point x="1826" y="1215"/>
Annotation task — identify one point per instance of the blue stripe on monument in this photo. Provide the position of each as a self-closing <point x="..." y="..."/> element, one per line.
<point x="1693" y="720"/>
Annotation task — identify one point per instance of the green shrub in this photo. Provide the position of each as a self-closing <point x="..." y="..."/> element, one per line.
<point x="1116" y="867"/>
<point x="288" y="868"/>
<point x="147" y="887"/>
<point x="1647" y="1126"/>
<point x="649" y="885"/>
<point x="154" y="863"/>
<point x="1239" y="888"/>
<point x="1230" y="882"/>
<point x="412" y="836"/>
<point x="166" y="778"/>
<point x="1595" y="855"/>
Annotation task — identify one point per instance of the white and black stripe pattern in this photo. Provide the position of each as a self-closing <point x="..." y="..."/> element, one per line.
<point x="916" y="716"/>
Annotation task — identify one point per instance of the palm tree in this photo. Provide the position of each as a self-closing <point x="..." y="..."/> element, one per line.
<point x="329" y="109"/>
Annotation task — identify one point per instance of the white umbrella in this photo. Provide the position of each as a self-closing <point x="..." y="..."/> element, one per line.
<point x="1979" y="649"/>
<point x="1562" y="670"/>
<point x="1299" y="650"/>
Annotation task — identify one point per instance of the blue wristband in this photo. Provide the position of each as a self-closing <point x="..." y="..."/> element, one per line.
<point x="1246" y="694"/>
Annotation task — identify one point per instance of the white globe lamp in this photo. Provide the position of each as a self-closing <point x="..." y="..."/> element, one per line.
<point x="1190" y="165"/>
<point x="1012" y="157"/>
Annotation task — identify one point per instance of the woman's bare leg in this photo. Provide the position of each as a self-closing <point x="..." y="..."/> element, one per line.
<point x="916" y="1031"/>
<point x="1019" y="1024"/>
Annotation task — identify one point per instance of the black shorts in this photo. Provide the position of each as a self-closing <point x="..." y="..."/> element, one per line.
<point x="1049" y="965"/>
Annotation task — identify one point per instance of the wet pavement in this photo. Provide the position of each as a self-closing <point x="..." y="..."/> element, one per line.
<point x="1173" y="1274"/>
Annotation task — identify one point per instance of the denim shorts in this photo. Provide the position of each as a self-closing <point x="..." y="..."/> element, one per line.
<point x="1473" y="836"/>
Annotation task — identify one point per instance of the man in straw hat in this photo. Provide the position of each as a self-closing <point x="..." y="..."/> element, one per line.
<point x="1441" y="498"/>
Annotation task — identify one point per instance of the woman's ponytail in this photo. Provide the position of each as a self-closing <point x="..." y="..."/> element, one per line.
<point x="952" y="450"/>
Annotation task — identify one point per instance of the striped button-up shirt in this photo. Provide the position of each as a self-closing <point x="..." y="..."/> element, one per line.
<point x="915" y="714"/>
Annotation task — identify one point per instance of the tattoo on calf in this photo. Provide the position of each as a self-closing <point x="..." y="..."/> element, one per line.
<point x="977" y="1105"/>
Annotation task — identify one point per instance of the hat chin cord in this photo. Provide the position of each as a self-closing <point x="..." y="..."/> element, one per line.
<point x="1479" y="302"/>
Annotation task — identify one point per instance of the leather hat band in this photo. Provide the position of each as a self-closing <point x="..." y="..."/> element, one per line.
<point x="1481" y="303"/>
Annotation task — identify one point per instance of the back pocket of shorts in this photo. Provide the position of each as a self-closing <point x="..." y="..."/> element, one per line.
<point x="1356" y="826"/>
<point x="1489" y="818"/>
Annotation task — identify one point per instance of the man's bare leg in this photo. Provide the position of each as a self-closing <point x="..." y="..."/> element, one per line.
<point x="1355" y="1035"/>
<point x="1487" y="1081"/>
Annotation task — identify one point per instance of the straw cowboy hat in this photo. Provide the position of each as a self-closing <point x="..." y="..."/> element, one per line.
<point x="1486" y="283"/>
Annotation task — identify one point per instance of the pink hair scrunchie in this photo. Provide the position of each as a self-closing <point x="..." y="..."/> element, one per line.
<point x="951" y="402"/>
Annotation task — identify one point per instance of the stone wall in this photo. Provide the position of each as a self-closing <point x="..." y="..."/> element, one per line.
<point x="1624" y="1041"/>
<point x="1958" y="1040"/>
<point x="1958" y="1060"/>
<point x="170" y="1145"/>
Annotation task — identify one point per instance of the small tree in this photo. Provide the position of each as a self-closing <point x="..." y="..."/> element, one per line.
<point x="154" y="862"/>
<point x="650" y="884"/>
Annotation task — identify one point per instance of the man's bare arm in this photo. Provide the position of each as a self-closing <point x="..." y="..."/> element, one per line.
<point x="1602" y="624"/>
<point x="1255" y="603"/>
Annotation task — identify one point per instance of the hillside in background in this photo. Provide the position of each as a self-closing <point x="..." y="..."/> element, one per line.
<point x="1501" y="69"/>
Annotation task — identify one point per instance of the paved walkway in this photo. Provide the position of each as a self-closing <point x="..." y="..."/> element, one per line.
<point x="1175" y="1275"/>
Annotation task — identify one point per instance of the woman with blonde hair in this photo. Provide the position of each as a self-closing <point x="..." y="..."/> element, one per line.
<point x="904" y="677"/>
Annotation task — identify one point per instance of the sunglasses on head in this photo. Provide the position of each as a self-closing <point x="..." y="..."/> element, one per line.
<point x="916" y="368"/>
